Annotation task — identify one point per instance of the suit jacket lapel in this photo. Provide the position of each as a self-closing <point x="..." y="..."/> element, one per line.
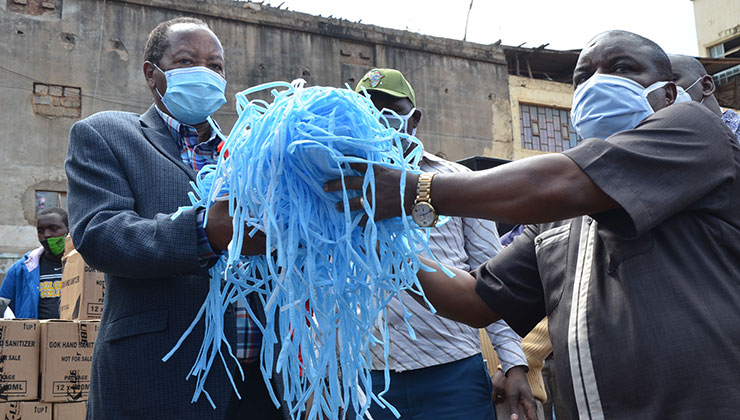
<point x="155" y="130"/>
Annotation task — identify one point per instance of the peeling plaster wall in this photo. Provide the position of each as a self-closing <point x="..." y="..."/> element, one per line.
<point x="97" y="46"/>
<point x="716" y="21"/>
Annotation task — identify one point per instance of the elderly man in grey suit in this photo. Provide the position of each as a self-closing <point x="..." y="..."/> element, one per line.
<point x="127" y="175"/>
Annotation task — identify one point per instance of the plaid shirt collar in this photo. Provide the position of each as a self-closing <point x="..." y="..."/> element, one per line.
<point x="192" y="152"/>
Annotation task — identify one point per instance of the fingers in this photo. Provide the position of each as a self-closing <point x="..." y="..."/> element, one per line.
<point x="352" y="183"/>
<point x="514" y="404"/>
<point x="499" y="397"/>
<point x="355" y="204"/>
<point x="359" y="167"/>
<point x="499" y="387"/>
<point x="387" y="202"/>
<point x="521" y="402"/>
<point x="254" y="245"/>
<point x="530" y="410"/>
<point x="218" y="227"/>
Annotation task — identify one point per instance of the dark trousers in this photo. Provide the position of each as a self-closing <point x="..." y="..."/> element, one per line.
<point x="255" y="403"/>
<point x="554" y="404"/>
<point x="451" y="391"/>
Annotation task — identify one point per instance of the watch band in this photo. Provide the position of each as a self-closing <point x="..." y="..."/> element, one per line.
<point x="424" y="188"/>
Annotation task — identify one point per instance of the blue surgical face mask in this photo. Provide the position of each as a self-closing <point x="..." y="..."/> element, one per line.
<point x="683" y="94"/>
<point x="400" y="123"/>
<point x="193" y="93"/>
<point x="606" y="104"/>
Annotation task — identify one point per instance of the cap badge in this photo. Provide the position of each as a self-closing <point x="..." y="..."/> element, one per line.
<point x="375" y="77"/>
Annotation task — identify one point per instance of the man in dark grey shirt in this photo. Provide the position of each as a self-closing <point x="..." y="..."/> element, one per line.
<point x="635" y="257"/>
<point x="641" y="297"/>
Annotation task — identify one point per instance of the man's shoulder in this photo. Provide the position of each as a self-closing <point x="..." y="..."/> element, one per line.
<point x="672" y="129"/>
<point x="13" y="270"/>
<point x="19" y="265"/>
<point x="690" y="115"/>
<point x="110" y="125"/>
<point x="111" y="117"/>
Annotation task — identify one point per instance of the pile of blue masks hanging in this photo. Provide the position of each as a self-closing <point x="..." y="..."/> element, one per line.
<point x="325" y="276"/>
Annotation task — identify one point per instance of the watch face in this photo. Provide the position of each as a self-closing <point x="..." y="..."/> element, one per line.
<point x="424" y="214"/>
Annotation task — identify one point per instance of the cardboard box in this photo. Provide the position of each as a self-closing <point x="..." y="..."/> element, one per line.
<point x="70" y="411"/>
<point x="66" y="359"/>
<point x="68" y="245"/>
<point x="19" y="359"/>
<point x="83" y="289"/>
<point x="25" y="410"/>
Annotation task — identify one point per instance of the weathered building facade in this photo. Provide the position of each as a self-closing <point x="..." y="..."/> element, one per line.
<point x="62" y="60"/>
<point x="718" y="36"/>
<point x="540" y="93"/>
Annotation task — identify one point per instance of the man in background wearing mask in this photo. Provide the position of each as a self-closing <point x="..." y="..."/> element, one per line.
<point x="128" y="174"/>
<point x="694" y="84"/>
<point x="634" y="254"/>
<point x="441" y="373"/>
<point x="33" y="283"/>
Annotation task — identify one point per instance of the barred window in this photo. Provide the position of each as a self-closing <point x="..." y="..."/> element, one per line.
<point x="546" y="129"/>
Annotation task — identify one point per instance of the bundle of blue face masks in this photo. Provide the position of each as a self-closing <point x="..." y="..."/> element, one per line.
<point x="324" y="277"/>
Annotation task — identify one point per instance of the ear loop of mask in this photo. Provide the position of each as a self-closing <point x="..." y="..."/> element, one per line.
<point x="692" y="85"/>
<point x="155" y="87"/>
<point x="652" y="88"/>
<point x="404" y="118"/>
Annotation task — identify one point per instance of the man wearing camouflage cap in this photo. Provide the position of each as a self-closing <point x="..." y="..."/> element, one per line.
<point x="441" y="374"/>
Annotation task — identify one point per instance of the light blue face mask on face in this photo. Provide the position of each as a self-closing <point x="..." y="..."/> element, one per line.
<point x="682" y="95"/>
<point x="605" y="105"/>
<point x="399" y="123"/>
<point x="193" y="93"/>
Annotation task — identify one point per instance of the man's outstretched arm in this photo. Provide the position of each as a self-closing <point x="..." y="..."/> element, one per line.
<point x="533" y="190"/>
<point x="454" y="298"/>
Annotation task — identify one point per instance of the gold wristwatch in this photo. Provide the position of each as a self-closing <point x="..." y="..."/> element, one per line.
<point x="422" y="212"/>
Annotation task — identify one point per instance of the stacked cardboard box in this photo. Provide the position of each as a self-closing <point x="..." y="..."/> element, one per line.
<point x="60" y="352"/>
<point x="70" y="411"/>
<point x="83" y="287"/>
<point x="19" y="359"/>
<point x="66" y="359"/>
<point x="28" y="410"/>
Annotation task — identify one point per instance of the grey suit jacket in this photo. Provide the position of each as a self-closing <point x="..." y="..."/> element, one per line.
<point x="125" y="180"/>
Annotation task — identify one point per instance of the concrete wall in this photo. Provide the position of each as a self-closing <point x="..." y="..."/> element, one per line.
<point x="534" y="92"/>
<point x="90" y="51"/>
<point x="716" y="21"/>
